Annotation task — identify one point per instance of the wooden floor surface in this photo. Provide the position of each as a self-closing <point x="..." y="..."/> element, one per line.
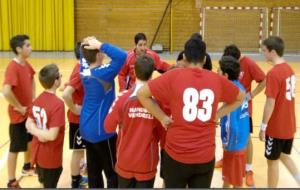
<point x="66" y="65"/>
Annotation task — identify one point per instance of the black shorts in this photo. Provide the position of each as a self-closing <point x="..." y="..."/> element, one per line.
<point x="251" y="125"/>
<point x="18" y="137"/>
<point x="48" y="177"/>
<point x="75" y="140"/>
<point x="179" y="175"/>
<point x="162" y="152"/>
<point x="133" y="183"/>
<point x="274" y="147"/>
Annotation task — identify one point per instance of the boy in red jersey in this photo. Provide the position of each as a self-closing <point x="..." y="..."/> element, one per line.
<point x="250" y="71"/>
<point x="127" y="76"/>
<point x="279" y="122"/>
<point x="192" y="95"/>
<point x="73" y="95"/>
<point x="138" y="133"/>
<point x="46" y="122"/>
<point x="19" y="91"/>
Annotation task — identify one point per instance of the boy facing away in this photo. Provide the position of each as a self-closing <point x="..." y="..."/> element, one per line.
<point x="138" y="133"/>
<point x="189" y="155"/>
<point x="99" y="88"/>
<point x="234" y="130"/>
<point x="46" y="122"/>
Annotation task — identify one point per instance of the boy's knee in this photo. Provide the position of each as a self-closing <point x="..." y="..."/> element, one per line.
<point x="283" y="157"/>
<point x="273" y="163"/>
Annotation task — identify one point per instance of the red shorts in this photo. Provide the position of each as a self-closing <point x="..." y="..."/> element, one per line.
<point x="233" y="169"/>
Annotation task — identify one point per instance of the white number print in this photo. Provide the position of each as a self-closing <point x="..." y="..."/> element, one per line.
<point x="290" y="87"/>
<point x="191" y="99"/>
<point x="40" y="117"/>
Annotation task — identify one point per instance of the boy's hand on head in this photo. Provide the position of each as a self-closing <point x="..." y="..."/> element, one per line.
<point x="85" y="40"/>
<point x="92" y="43"/>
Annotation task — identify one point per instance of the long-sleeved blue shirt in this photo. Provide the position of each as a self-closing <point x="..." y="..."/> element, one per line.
<point x="235" y="126"/>
<point x="99" y="88"/>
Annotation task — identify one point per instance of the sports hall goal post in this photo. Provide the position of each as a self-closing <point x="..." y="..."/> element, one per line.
<point x="243" y="26"/>
<point x="285" y="22"/>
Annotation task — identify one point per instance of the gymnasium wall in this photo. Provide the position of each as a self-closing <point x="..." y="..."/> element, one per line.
<point x="55" y="24"/>
<point x="118" y="21"/>
<point x="49" y="23"/>
<point x="242" y="27"/>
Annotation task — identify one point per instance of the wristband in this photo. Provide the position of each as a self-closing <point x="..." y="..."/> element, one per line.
<point x="263" y="127"/>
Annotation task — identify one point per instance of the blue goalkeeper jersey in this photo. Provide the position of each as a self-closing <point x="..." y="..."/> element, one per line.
<point x="99" y="89"/>
<point x="235" y="127"/>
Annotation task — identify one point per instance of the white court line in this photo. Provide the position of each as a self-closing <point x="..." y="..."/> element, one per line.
<point x="3" y="160"/>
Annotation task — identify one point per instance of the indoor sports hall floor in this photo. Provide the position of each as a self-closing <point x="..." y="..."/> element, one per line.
<point x="65" y="61"/>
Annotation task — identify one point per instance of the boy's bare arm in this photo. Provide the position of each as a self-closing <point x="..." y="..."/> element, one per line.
<point x="67" y="96"/>
<point x="30" y="124"/>
<point x="12" y="100"/>
<point x="42" y="134"/>
<point x="33" y="89"/>
<point x="145" y="97"/>
<point x="268" y="110"/>
<point x="258" y="89"/>
<point x="227" y="108"/>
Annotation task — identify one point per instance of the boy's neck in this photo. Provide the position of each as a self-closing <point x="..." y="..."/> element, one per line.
<point x="51" y="90"/>
<point x="140" y="82"/>
<point x="20" y="59"/>
<point x="94" y="65"/>
<point x="194" y="65"/>
<point x="278" y="60"/>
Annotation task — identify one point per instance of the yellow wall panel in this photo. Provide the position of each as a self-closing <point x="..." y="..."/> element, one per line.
<point x="49" y="23"/>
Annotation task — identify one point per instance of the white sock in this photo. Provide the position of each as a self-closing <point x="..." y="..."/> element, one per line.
<point x="248" y="167"/>
<point x="297" y="178"/>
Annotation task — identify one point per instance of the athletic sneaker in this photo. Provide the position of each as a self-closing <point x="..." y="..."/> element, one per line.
<point x="219" y="164"/>
<point x="30" y="172"/>
<point x="13" y="185"/>
<point x="249" y="178"/>
<point x="83" y="182"/>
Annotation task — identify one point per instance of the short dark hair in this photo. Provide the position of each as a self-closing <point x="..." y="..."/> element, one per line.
<point x="77" y="50"/>
<point x="89" y="55"/>
<point x="144" y="67"/>
<point x="232" y="50"/>
<point x="230" y="65"/>
<point x="196" y="35"/>
<point x="180" y="56"/>
<point x="18" y="41"/>
<point x="274" y="43"/>
<point x="195" y="50"/>
<point x="48" y="75"/>
<point x="138" y="37"/>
